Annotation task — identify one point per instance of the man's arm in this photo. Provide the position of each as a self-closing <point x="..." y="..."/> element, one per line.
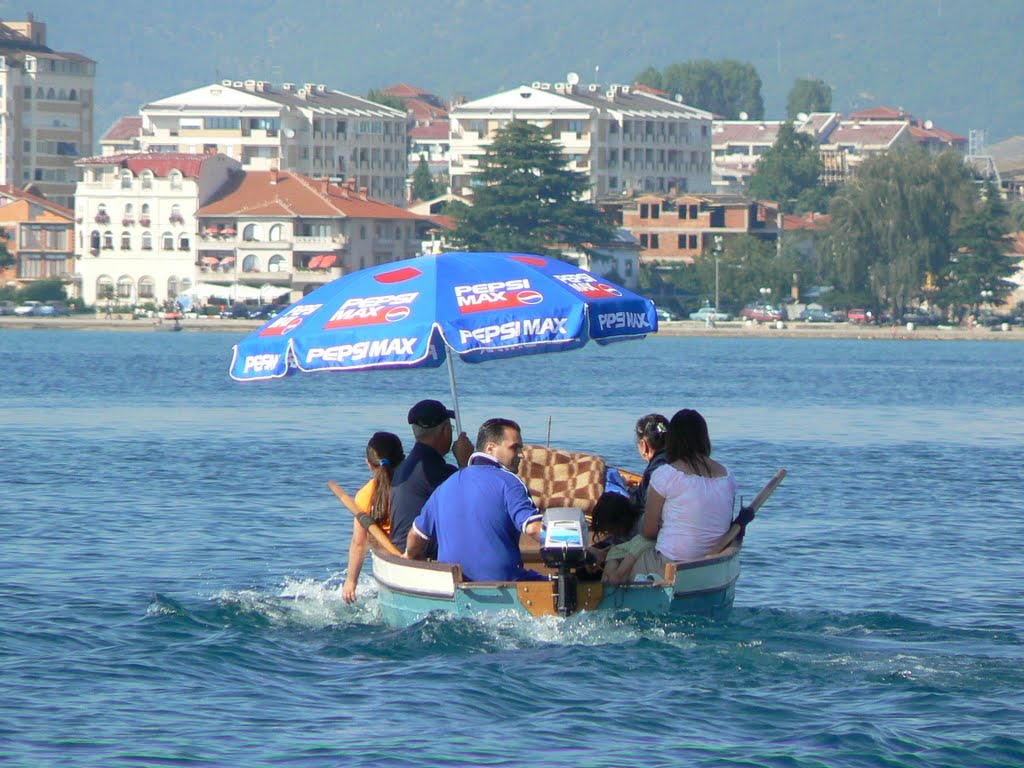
<point x="415" y="544"/>
<point x="532" y="529"/>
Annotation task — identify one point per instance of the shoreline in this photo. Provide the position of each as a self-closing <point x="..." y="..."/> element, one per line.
<point x="688" y="328"/>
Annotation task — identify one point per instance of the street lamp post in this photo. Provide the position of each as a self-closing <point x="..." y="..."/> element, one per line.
<point x="718" y="250"/>
<point x="765" y="294"/>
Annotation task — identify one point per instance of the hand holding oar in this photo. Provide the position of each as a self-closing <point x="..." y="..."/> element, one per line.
<point x="739" y="525"/>
<point x="364" y="519"/>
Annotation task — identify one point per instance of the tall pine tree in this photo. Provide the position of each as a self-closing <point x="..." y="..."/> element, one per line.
<point x="528" y="201"/>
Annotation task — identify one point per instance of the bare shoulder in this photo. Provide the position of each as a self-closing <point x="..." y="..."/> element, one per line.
<point x="717" y="470"/>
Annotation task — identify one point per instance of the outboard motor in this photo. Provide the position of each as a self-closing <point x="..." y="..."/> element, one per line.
<point x="564" y="546"/>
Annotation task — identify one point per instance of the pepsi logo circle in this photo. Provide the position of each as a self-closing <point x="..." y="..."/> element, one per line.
<point x="394" y="314"/>
<point x="609" y="290"/>
<point x="530" y="297"/>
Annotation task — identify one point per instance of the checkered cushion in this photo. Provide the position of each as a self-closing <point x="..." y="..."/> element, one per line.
<point x="561" y="478"/>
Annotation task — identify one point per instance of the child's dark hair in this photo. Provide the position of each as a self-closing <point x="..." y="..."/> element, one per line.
<point x="653" y="428"/>
<point x="384" y="452"/>
<point x="613" y="515"/>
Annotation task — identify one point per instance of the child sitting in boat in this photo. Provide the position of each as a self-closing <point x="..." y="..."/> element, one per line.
<point x="613" y="519"/>
<point x="383" y="453"/>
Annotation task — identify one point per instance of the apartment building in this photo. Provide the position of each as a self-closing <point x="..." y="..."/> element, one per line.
<point x="136" y="223"/>
<point x="624" y="138"/>
<point x="843" y="142"/>
<point x="429" y="127"/>
<point x="40" y="237"/>
<point x="46" y="120"/>
<point x="679" y="228"/>
<point x="285" y="232"/>
<point x="309" y="129"/>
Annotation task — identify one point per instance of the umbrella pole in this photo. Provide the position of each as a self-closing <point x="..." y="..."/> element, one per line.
<point x="455" y="391"/>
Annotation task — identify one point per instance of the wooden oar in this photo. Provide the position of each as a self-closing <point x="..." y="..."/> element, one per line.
<point x="364" y="519"/>
<point x="747" y="513"/>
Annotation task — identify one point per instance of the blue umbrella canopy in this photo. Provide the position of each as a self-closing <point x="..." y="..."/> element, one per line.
<point x="414" y="313"/>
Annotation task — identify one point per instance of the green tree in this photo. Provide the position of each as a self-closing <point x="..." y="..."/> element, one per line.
<point x="981" y="261"/>
<point x="6" y="260"/>
<point x="808" y="95"/>
<point x="387" y="99"/>
<point x="527" y="199"/>
<point x="789" y="173"/>
<point x="726" y="87"/>
<point x="49" y="289"/>
<point x="892" y="225"/>
<point x="423" y="185"/>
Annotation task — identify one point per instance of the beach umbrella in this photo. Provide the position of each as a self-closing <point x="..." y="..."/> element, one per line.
<point x="425" y="311"/>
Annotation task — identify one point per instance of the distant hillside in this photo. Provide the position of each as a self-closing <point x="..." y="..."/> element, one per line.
<point x="943" y="60"/>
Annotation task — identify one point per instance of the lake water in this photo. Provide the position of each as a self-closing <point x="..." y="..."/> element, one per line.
<point x="171" y="564"/>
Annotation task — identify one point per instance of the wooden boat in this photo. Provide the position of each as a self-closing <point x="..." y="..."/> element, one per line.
<point x="409" y="590"/>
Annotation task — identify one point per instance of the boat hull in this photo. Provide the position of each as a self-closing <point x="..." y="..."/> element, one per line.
<point x="410" y="590"/>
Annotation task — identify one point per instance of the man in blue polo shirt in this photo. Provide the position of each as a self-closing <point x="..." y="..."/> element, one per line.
<point x="477" y="514"/>
<point x="424" y="468"/>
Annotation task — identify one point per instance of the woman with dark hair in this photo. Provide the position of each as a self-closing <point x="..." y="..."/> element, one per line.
<point x="690" y="499"/>
<point x="383" y="453"/>
<point x="651" y="431"/>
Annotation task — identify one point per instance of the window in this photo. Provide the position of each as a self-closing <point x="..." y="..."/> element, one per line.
<point x="147" y="241"/>
<point x="175" y="179"/>
<point x="693" y="242"/>
<point x="126" y="241"/>
<point x="644" y="240"/>
<point x="655" y="241"/>
<point x="94" y="241"/>
<point x="125" y="286"/>
<point x="276" y="233"/>
<point x="126" y="179"/>
<point x="108" y="240"/>
<point x="251" y="263"/>
<point x="655" y="210"/>
<point x="104" y="287"/>
<point x="681" y="242"/>
<point x="168" y="241"/>
<point x="172" y="287"/>
<point x="252" y="232"/>
<point x="277" y="263"/>
<point x="183" y="243"/>
<point x="693" y="211"/>
<point x="223" y="123"/>
<point x="645" y="211"/>
<point x="147" y="183"/>
<point x="146" y="287"/>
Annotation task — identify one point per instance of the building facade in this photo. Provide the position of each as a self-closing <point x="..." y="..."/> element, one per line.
<point x="624" y="138"/>
<point x="680" y="228"/>
<point x="308" y="128"/>
<point x="46" y="122"/>
<point x="158" y="227"/>
<point x="136" y="223"/>
<point x="40" y="237"/>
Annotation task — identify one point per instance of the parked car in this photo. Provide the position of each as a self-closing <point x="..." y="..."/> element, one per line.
<point x="266" y="312"/>
<point x="763" y="313"/>
<point x="860" y="316"/>
<point x="26" y="307"/>
<point x="704" y="313"/>
<point x="816" y="315"/>
<point x="920" y="317"/>
<point x="236" y="312"/>
<point x="49" y="309"/>
<point x="6" y="307"/>
<point x="664" y="315"/>
<point x="989" y="318"/>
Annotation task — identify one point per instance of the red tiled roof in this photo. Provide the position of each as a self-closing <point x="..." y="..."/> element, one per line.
<point x="125" y="128"/>
<point x="160" y="163"/>
<point x="880" y="113"/>
<point x="432" y="131"/>
<point x="866" y="133"/>
<point x="447" y="222"/>
<point x="649" y="89"/>
<point x="11" y="191"/>
<point x="808" y="221"/>
<point x="745" y="133"/>
<point x="256" y="194"/>
<point x="424" y="110"/>
<point x="403" y="91"/>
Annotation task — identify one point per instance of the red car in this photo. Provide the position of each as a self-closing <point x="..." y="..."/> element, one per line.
<point x="764" y="313"/>
<point x="860" y="316"/>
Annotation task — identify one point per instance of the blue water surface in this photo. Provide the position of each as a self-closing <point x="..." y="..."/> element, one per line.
<point x="171" y="564"/>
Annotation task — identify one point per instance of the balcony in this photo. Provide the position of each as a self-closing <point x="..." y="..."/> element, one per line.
<point x="319" y="242"/>
<point x="102" y="218"/>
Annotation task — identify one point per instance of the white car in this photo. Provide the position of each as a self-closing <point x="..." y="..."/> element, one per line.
<point x="26" y="308"/>
<point x="704" y="313"/>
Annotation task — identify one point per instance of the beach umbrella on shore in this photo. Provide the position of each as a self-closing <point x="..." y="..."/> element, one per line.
<point x="423" y="312"/>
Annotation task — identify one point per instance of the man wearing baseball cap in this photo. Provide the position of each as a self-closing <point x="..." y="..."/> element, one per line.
<point x="424" y="468"/>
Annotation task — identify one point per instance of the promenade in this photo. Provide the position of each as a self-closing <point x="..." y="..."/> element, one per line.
<point x="734" y="329"/>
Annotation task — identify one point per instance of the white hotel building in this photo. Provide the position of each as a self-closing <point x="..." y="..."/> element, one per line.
<point x="625" y="138"/>
<point x="307" y="128"/>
